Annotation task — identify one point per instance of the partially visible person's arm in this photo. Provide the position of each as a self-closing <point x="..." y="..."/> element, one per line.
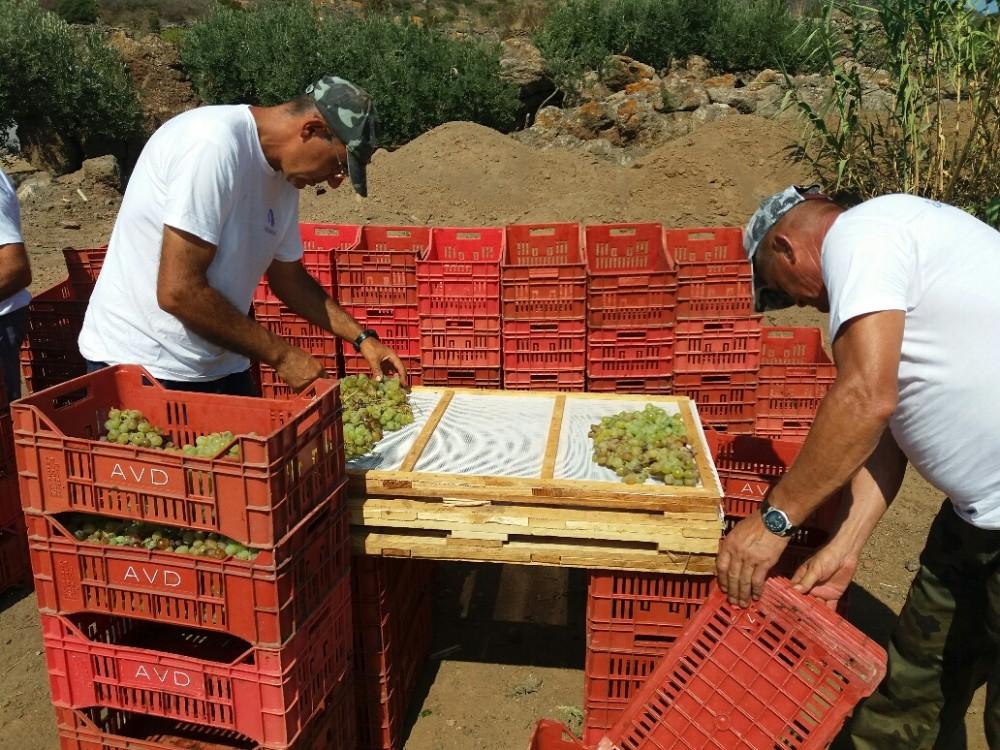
<point x="15" y="270"/>
<point x="302" y="295"/>
<point x="827" y="574"/>
<point x="183" y="290"/>
<point x="849" y="423"/>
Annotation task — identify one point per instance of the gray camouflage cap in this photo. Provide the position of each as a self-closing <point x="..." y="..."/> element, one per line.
<point x="771" y="211"/>
<point x="350" y="114"/>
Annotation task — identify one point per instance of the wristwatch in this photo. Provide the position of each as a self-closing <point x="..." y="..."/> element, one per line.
<point x="368" y="333"/>
<point x="776" y="521"/>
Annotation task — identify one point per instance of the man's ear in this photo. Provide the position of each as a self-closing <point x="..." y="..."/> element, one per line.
<point x="313" y="126"/>
<point x="783" y="246"/>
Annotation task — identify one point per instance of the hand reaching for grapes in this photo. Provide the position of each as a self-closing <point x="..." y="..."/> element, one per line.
<point x="378" y="355"/>
<point x="298" y="368"/>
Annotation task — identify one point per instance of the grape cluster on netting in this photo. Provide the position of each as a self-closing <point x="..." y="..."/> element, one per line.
<point x="371" y="408"/>
<point x="130" y="427"/>
<point x="637" y="445"/>
<point x="127" y="533"/>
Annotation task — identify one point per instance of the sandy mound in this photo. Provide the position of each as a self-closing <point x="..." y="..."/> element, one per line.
<point x="465" y="174"/>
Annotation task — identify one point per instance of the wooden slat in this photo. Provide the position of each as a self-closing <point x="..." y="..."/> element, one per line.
<point x="552" y="444"/>
<point x="425" y="434"/>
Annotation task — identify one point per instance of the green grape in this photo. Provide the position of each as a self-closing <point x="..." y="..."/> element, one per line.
<point x="637" y="445"/>
<point x="370" y="410"/>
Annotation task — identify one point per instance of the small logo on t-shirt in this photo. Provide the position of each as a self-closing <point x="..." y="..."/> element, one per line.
<point x="270" y="222"/>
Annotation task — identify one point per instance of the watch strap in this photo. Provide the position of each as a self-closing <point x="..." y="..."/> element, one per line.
<point x="368" y="333"/>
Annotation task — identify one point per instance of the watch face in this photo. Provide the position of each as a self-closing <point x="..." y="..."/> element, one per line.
<point x="775" y="521"/>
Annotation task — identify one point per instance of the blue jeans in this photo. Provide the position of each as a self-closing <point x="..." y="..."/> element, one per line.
<point x="12" y="327"/>
<point x="237" y="384"/>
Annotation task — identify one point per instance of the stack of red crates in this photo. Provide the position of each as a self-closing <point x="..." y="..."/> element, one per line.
<point x="319" y="243"/>
<point x="50" y="353"/>
<point x="717" y="350"/>
<point x="634" y="618"/>
<point x="544" y="290"/>
<point x="458" y="298"/>
<point x="392" y="617"/>
<point x="153" y="649"/>
<point x="377" y="285"/>
<point x="14" y="568"/>
<point x="795" y="374"/>
<point x="631" y="296"/>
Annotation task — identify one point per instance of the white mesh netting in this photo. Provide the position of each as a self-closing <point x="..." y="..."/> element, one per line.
<point x="389" y="453"/>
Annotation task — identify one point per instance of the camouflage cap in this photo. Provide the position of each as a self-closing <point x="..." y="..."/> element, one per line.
<point x="770" y="212"/>
<point x="350" y="114"/>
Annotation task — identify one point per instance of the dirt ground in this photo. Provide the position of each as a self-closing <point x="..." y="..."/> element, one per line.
<point x="511" y="638"/>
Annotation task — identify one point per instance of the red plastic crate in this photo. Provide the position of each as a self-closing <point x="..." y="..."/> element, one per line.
<point x="382" y="268"/>
<point x="44" y="368"/>
<point x="715" y="297"/>
<point x="630" y="353"/>
<point x="291" y="455"/>
<point x="702" y="253"/>
<point x="544" y="275"/>
<point x="319" y="241"/>
<point x="783" y="672"/>
<point x="357" y="364"/>
<point x="475" y="377"/>
<point x="83" y="266"/>
<point x="611" y="681"/>
<point x="777" y="428"/>
<point x="621" y="256"/>
<point x="458" y="298"/>
<point x="641" y="611"/>
<point x="662" y="386"/>
<point x="560" y="380"/>
<point x="264" y="602"/>
<point x="790" y="398"/>
<point x="274" y="316"/>
<point x="653" y="307"/>
<point x="390" y="323"/>
<point x="273" y="387"/>
<point x="109" y="729"/>
<point x="268" y="695"/>
<point x="460" y="274"/>
<point x="551" y="735"/>
<point x="795" y="354"/>
<point x="750" y="466"/>
<point x="717" y="346"/>
<point x="551" y="345"/>
<point x="460" y="342"/>
<point x="725" y="400"/>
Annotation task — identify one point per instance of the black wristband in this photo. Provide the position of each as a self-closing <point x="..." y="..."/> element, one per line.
<point x="368" y="333"/>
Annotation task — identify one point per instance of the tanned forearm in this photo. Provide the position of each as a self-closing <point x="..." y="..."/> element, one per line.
<point x="184" y="292"/>
<point x="15" y="270"/>
<point x="293" y="285"/>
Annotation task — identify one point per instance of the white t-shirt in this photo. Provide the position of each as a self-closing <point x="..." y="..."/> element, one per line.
<point x="10" y="234"/>
<point x="202" y="172"/>
<point x="942" y="267"/>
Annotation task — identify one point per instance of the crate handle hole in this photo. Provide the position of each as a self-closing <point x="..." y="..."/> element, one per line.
<point x="66" y="400"/>
<point x="542" y="231"/>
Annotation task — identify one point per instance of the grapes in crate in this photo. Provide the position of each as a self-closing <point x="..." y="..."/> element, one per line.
<point x="371" y="408"/>
<point x="130" y="427"/>
<point x="116" y="532"/>
<point x="639" y="445"/>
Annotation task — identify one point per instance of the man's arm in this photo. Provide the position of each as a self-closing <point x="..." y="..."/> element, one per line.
<point x="827" y="573"/>
<point x="849" y="423"/>
<point x="15" y="270"/>
<point x="182" y="289"/>
<point x="302" y="295"/>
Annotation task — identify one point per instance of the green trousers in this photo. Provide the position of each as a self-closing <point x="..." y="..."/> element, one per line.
<point x="945" y="646"/>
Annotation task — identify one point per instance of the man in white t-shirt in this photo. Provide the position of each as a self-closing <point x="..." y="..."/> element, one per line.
<point x="15" y="278"/>
<point x="211" y="207"/>
<point x="913" y="291"/>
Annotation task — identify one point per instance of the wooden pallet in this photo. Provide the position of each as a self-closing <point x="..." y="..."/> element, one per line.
<point x="484" y="531"/>
<point x="547" y="489"/>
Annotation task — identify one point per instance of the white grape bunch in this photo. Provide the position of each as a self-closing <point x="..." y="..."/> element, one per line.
<point x="116" y="532"/>
<point x="130" y="427"/>
<point x="638" y="445"/>
<point x="371" y="409"/>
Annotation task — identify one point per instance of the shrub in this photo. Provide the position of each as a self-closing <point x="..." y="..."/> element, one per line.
<point x="418" y="77"/>
<point x="77" y="11"/>
<point x="62" y="79"/>
<point x="756" y="34"/>
<point x="940" y="135"/>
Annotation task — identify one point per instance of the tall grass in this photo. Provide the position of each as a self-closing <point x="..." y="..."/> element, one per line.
<point x="940" y="135"/>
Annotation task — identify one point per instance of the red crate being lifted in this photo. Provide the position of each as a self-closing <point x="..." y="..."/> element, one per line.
<point x="611" y="680"/>
<point x="544" y="275"/>
<point x="291" y="455"/>
<point x="264" y="601"/>
<point x="381" y="270"/>
<point x="784" y="672"/>
<point x="631" y="280"/>
<point x="268" y="695"/>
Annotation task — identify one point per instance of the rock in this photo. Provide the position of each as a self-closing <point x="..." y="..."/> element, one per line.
<point x="770" y="101"/>
<point x="521" y="64"/>
<point x="767" y="77"/>
<point x="69" y="224"/>
<point x="589" y="119"/>
<point x="878" y="100"/>
<point x="725" y="81"/>
<point x="698" y="67"/>
<point x="592" y="87"/>
<point x="103" y="170"/>
<point x="550" y="118"/>
<point x="713" y="112"/>
<point x="682" y="94"/>
<point x="913" y="566"/>
<point x="622" y="70"/>
<point x="742" y="100"/>
<point x="33" y="187"/>
<point x="48" y="149"/>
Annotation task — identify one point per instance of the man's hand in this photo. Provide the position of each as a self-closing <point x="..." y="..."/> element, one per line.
<point x="377" y="355"/>
<point x="746" y="554"/>
<point x="298" y="368"/>
<point x="826" y="575"/>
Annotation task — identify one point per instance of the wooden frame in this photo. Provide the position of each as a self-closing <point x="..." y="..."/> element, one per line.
<point x="546" y="490"/>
